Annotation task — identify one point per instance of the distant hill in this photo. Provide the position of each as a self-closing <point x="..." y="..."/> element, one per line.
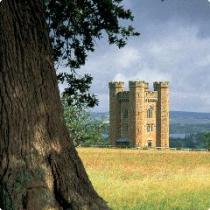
<point x="189" y="122"/>
<point x="189" y="117"/>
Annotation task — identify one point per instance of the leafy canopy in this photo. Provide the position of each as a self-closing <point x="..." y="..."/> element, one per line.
<point x="74" y="26"/>
<point x="83" y="128"/>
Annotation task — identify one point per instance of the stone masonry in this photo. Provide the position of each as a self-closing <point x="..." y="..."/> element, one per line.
<point x="139" y="117"/>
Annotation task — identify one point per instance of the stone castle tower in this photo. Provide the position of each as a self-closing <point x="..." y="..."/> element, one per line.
<point x="139" y="117"/>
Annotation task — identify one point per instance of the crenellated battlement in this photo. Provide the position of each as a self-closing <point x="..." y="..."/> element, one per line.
<point x="158" y="85"/>
<point x="138" y="83"/>
<point x="116" y="84"/>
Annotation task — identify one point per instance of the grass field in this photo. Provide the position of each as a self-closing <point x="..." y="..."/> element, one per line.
<point x="149" y="180"/>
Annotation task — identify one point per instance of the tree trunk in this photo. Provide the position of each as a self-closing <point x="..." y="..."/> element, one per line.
<point x="39" y="167"/>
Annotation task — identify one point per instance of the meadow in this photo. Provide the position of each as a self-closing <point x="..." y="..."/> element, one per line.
<point x="149" y="180"/>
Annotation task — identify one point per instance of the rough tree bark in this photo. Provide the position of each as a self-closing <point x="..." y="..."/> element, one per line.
<point x="39" y="167"/>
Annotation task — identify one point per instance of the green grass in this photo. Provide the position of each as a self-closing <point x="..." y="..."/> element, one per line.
<point x="149" y="180"/>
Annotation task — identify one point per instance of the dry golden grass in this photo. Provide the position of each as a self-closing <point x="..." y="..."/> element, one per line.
<point x="149" y="180"/>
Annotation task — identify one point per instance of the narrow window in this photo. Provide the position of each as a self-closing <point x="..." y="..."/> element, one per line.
<point x="148" y="128"/>
<point x="150" y="112"/>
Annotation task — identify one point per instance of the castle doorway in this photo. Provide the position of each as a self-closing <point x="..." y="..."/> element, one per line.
<point x="149" y="143"/>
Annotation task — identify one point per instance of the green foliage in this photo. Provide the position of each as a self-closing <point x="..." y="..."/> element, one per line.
<point x="74" y="26"/>
<point x="81" y="97"/>
<point x="193" y="141"/>
<point x="84" y="130"/>
<point x="207" y="140"/>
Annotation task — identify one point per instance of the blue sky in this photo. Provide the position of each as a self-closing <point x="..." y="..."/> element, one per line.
<point x="174" y="45"/>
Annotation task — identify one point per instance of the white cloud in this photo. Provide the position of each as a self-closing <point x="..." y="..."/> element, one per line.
<point x="126" y="57"/>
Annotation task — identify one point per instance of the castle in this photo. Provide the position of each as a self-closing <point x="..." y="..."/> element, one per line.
<point x="139" y="117"/>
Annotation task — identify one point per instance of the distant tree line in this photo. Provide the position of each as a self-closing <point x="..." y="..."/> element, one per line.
<point x="194" y="141"/>
<point x="189" y="128"/>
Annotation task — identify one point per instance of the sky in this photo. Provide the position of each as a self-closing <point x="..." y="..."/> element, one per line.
<point x="174" y="45"/>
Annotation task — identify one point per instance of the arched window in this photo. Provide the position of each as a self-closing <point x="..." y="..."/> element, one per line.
<point x="150" y="112"/>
